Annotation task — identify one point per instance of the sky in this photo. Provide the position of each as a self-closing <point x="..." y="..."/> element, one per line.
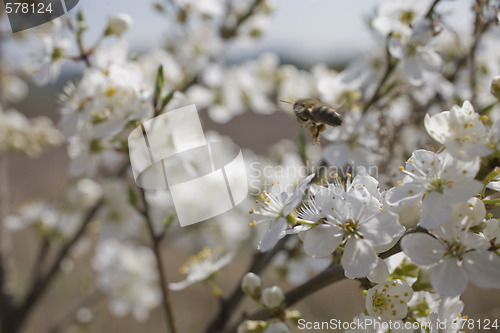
<point x="305" y="30"/>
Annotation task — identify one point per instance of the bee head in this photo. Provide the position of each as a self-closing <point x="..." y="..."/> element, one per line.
<point x="301" y="108"/>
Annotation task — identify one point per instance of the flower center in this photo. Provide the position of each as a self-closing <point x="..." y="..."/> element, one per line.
<point x="439" y="185"/>
<point x="456" y="250"/>
<point x="407" y="17"/>
<point x="350" y="228"/>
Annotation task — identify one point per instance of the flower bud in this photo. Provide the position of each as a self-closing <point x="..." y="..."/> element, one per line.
<point x="118" y="24"/>
<point x="272" y="297"/>
<point x="251" y="326"/>
<point x="251" y="284"/>
<point x="277" y="327"/>
<point x="495" y="87"/>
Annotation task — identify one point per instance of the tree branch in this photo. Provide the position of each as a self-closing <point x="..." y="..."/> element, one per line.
<point x="329" y="276"/>
<point x="259" y="262"/>
<point x="156" y="245"/>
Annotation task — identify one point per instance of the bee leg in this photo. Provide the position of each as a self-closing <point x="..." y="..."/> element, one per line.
<point x="321" y="127"/>
<point x="315" y="132"/>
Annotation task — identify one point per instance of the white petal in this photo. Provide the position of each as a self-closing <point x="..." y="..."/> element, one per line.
<point x="438" y="126"/>
<point x="435" y="210"/>
<point x="412" y="67"/>
<point x="322" y="240"/>
<point x="273" y="235"/>
<point x="463" y="190"/>
<point x="405" y="194"/>
<point x="448" y="278"/>
<point x="358" y="259"/>
<point x="422" y="249"/>
<point x="380" y="273"/>
<point x="382" y="228"/>
<point x="483" y="268"/>
<point x="180" y="285"/>
<point x="450" y="307"/>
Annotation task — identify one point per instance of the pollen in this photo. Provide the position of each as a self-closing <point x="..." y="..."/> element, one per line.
<point x="252" y="223"/>
<point x="349" y="175"/>
<point x="467" y="138"/>
<point x="401" y="168"/>
<point x="484" y="118"/>
<point x="410" y="191"/>
<point x="410" y="160"/>
<point x="399" y="182"/>
<point x="252" y="211"/>
<point x="490" y="215"/>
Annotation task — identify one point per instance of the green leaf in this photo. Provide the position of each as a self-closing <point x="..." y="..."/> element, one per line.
<point x="132" y="196"/>
<point x="487" y="108"/>
<point x="491" y="176"/>
<point x="391" y="86"/>
<point x="158" y="85"/>
<point x="167" y="100"/>
<point x="302" y="146"/>
<point x="168" y="221"/>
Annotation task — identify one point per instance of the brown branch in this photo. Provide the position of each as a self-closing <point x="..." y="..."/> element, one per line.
<point x="156" y="245"/>
<point x="230" y="32"/>
<point x="329" y="276"/>
<point x="391" y="64"/>
<point x="259" y="262"/>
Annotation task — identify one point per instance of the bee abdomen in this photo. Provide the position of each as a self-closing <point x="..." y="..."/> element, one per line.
<point x="327" y="115"/>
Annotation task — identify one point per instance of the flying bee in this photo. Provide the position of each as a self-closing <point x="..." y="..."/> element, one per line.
<point x="315" y="115"/>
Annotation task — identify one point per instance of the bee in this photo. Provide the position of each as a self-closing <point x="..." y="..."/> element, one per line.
<point x="315" y="115"/>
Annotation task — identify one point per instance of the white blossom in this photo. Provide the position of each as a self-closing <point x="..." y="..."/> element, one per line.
<point x="119" y="23"/>
<point x="275" y="207"/>
<point x="438" y="179"/>
<point x="389" y="300"/>
<point x="201" y="267"/>
<point x="461" y="131"/>
<point x="353" y="218"/>
<point x="455" y="256"/>
<point x="128" y="274"/>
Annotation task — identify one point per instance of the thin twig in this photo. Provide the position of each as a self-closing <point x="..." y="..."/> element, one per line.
<point x="40" y="260"/>
<point x="479" y="29"/>
<point x="230" y="32"/>
<point x="390" y="66"/>
<point x="329" y="276"/>
<point x="259" y="262"/>
<point x="156" y="240"/>
<point x="38" y="289"/>
<point x="431" y="9"/>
